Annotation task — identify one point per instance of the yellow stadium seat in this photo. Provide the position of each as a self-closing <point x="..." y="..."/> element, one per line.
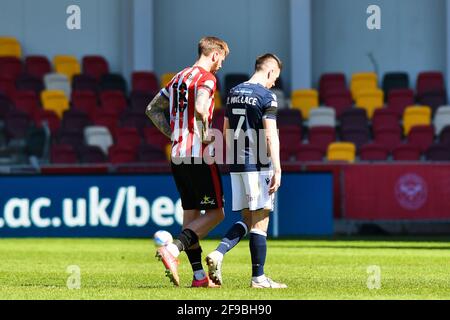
<point x="370" y="100"/>
<point x="217" y="100"/>
<point x="168" y="151"/>
<point x="362" y="81"/>
<point x="10" y="47"/>
<point x="305" y="100"/>
<point x="416" y="116"/>
<point x="166" y="77"/>
<point x="67" y="65"/>
<point x="55" y="100"/>
<point x="341" y="151"/>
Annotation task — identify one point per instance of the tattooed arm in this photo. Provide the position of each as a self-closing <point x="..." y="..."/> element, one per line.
<point x="155" y="111"/>
<point x="202" y="104"/>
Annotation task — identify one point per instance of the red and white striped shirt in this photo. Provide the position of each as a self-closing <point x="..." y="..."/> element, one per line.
<point x="181" y="92"/>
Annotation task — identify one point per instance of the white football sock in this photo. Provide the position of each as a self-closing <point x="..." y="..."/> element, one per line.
<point x="173" y="249"/>
<point x="259" y="279"/>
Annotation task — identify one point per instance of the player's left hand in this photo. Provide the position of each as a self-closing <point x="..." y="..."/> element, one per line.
<point x="275" y="183"/>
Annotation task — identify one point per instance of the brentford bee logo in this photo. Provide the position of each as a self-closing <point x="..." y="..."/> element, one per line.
<point x="411" y="191"/>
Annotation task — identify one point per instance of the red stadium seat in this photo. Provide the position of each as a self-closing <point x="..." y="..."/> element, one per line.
<point x="430" y="82"/>
<point x="50" y="118"/>
<point x="127" y="136"/>
<point x="290" y="138"/>
<point x="321" y="137"/>
<point x="438" y="152"/>
<point x="85" y="101"/>
<point x="385" y="118"/>
<point x="37" y="66"/>
<point x="27" y="101"/>
<point x="373" y="152"/>
<point x="10" y="67"/>
<point x="26" y="82"/>
<point x="113" y="100"/>
<point x="119" y="154"/>
<point x="406" y="152"/>
<point x="145" y="82"/>
<point x="95" y="66"/>
<point x="151" y="154"/>
<point x="63" y="154"/>
<point x="399" y="99"/>
<point x="357" y="136"/>
<point x="331" y="82"/>
<point x="154" y="137"/>
<point x="388" y="137"/>
<point x="310" y="152"/>
<point x="339" y="100"/>
<point x="421" y="136"/>
<point x="107" y="118"/>
<point x="7" y="86"/>
<point x="17" y="124"/>
<point x="289" y="117"/>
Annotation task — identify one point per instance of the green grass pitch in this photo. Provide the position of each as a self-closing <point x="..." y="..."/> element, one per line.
<point x="313" y="269"/>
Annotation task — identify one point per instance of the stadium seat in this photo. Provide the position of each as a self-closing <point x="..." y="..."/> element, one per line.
<point x="428" y="82"/>
<point x="415" y="116"/>
<point x="55" y="100"/>
<point x="421" y="136"/>
<point x="113" y="100"/>
<point x="8" y="86"/>
<point x="91" y="155"/>
<point x="85" y="101"/>
<point x="362" y="81"/>
<point x="98" y="136"/>
<point x="165" y="78"/>
<point x="58" y="81"/>
<point x="357" y="136"/>
<point x="217" y="100"/>
<point x="388" y="137"/>
<point x="10" y="67"/>
<point x="384" y="118"/>
<point x="154" y="137"/>
<point x="406" y="152"/>
<point x="370" y="100"/>
<point x="26" y="101"/>
<point x="37" y="141"/>
<point x="17" y="124"/>
<point x="321" y="137"/>
<point x="341" y="151"/>
<point x="444" y="136"/>
<point x="233" y="79"/>
<point x="134" y="119"/>
<point x="26" y="82"/>
<point x="309" y="152"/>
<point x="10" y="47"/>
<point x="106" y="118"/>
<point x="354" y="118"/>
<point x="331" y="82"/>
<point x="373" y="152"/>
<point x="5" y="106"/>
<point x="139" y="100"/>
<point x="290" y="138"/>
<point x="151" y="154"/>
<point x="95" y="66"/>
<point x="63" y="154"/>
<point x="145" y="81"/>
<point x="305" y="100"/>
<point x="70" y="136"/>
<point x="322" y="116"/>
<point x="432" y="99"/>
<point x="113" y="82"/>
<point x="438" y="152"/>
<point x="394" y="80"/>
<point x="85" y="83"/>
<point x="288" y="117"/>
<point x="339" y="100"/>
<point x="75" y="120"/>
<point x="399" y="100"/>
<point x="37" y="66"/>
<point x="67" y="65"/>
<point x="48" y="118"/>
<point x="119" y="154"/>
<point x="127" y="136"/>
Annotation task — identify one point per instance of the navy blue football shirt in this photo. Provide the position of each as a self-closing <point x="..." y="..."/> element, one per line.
<point x="247" y="105"/>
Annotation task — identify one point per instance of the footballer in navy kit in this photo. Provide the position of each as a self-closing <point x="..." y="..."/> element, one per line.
<point x="251" y="136"/>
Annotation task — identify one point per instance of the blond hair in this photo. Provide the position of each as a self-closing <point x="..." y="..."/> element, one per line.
<point x="207" y="45"/>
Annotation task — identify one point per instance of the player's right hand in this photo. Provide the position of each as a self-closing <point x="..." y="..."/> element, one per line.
<point x="275" y="183"/>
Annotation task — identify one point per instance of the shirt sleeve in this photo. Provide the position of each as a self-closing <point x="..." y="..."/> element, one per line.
<point x="209" y="83"/>
<point x="270" y="107"/>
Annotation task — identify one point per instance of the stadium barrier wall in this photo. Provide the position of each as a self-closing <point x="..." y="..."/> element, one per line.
<point x="138" y="205"/>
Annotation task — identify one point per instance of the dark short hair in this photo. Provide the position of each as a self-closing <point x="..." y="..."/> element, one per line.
<point x="267" y="56"/>
<point x="207" y="45"/>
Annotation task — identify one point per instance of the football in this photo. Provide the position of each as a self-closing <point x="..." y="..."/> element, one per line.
<point x="162" y="238"/>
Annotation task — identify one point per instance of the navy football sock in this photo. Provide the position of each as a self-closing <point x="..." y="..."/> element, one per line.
<point x="186" y="239"/>
<point x="195" y="258"/>
<point x="258" y="250"/>
<point x="232" y="238"/>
